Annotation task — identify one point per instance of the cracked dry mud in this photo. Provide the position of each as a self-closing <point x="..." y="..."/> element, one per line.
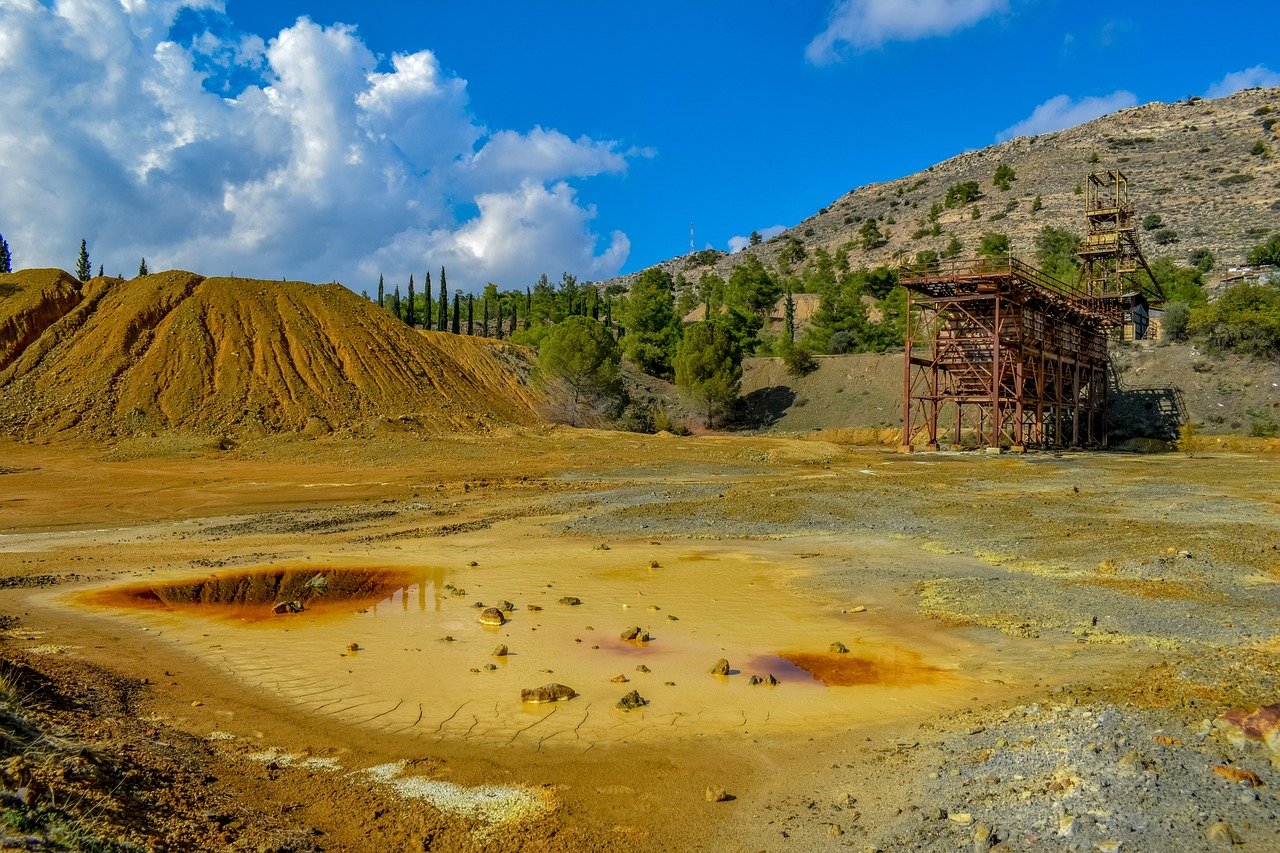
<point x="1027" y="651"/>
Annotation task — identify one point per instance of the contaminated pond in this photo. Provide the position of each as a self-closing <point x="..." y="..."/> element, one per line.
<point x="403" y="648"/>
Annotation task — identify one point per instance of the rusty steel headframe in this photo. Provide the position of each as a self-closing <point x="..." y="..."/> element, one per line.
<point x="1017" y="358"/>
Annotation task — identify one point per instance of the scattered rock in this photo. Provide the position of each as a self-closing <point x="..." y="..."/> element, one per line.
<point x="601" y="547"/>
<point x="643" y="668"/>
<point x="506" y="606"/>
<point x="767" y="679"/>
<point x="982" y="838"/>
<point x="532" y="608"/>
<point x="671" y="618"/>
<point x="632" y="701"/>
<point x="1067" y="826"/>
<point x="834" y="830"/>
<point x="448" y="638"/>
<point x="840" y="648"/>
<point x="858" y="609"/>
<point x="491" y="666"/>
<point x="472" y="563"/>
<point x="653" y="608"/>
<point x="492" y="616"/>
<point x="961" y="818"/>
<point x="654" y="564"/>
<point x="1262" y="725"/>
<point x="353" y="647"/>
<point x="621" y="679"/>
<point x="721" y="667"/>
<point x="636" y="634"/>
<point x="1110" y="846"/>
<point x="572" y="601"/>
<point x="500" y="651"/>
<point x="717" y="795"/>
<point x="1222" y="833"/>
<point x="1237" y="774"/>
<point x="293" y="606"/>
<point x="547" y="693"/>
<point x="478" y="604"/>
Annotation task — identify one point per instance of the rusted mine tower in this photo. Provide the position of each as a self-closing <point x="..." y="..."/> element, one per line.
<point x="1017" y="358"/>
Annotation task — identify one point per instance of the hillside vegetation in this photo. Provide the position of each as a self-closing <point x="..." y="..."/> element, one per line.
<point x="221" y="356"/>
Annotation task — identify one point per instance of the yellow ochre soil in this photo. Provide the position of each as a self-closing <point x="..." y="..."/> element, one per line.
<point x="1010" y="599"/>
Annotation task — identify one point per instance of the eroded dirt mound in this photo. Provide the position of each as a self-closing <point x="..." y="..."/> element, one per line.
<point x="220" y="356"/>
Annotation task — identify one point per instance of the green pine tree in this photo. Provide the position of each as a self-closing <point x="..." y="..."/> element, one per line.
<point x="409" y="312"/>
<point x="444" y="301"/>
<point x="514" y="312"/>
<point x="457" y="316"/>
<point x="142" y="268"/>
<point x="395" y="304"/>
<point x="790" y="329"/>
<point x="83" y="270"/>
<point x="471" y="314"/>
<point x="382" y="294"/>
<point x="501" y="312"/>
<point x="486" y="317"/>
<point x="6" y="259"/>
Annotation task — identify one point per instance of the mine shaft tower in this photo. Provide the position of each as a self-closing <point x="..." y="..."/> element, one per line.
<point x="1016" y="358"/>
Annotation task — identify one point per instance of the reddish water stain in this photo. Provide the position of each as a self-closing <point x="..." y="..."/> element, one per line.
<point x="250" y="595"/>
<point x="902" y="669"/>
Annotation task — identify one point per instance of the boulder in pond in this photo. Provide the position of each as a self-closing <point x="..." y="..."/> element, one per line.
<point x="492" y="616"/>
<point x="547" y="693"/>
<point x="721" y="667"/>
<point x="636" y="634"/>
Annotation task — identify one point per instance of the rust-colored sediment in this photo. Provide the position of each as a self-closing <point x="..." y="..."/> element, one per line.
<point x="850" y="670"/>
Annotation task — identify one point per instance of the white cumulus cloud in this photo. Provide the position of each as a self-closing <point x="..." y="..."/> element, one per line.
<point x="1258" y="75"/>
<point x="862" y="24"/>
<point x="1061" y="112"/>
<point x="329" y="164"/>
<point x="737" y="244"/>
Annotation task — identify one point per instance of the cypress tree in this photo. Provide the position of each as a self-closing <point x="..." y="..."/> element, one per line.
<point x="426" y="302"/>
<point x="83" y="270"/>
<point x="790" y="315"/>
<point x="608" y="313"/>
<point x="528" y="305"/>
<point x="471" y="313"/>
<point x="409" y="313"/>
<point x="501" y="311"/>
<point x="486" y="317"/>
<point x="395" y="303"/>
<point x="100" y="271"/>
<point x="457" y="317"/>
<point x="444" y="301"/>
<point x="142" y="267"/>
<point x="365" y="294"/>
<point x="382" y="295"/>
<point x="6" y="259"/>
<point x="595" y="304"/>
<point x="514" y="312"/>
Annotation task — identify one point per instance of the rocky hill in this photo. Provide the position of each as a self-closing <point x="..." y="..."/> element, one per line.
<point x="230" y="357"/>
<point x="1210" y="169"/>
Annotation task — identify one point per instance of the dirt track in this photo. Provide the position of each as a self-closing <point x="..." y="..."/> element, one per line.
<point x="1075" y="601"/>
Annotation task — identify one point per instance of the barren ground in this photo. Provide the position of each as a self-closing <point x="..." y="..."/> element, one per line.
<point x="1038" y="646"/>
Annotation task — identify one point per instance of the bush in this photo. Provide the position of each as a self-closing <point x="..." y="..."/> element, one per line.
<point x="798" y="359"/>
<point x="841" y="342"/>
<point x="1165" y="236"/>
<point x="1174" y="325"/>
<point x="1267" y="252"/>
<point x="1152" y="221"/>
<point x="962" y="193"/>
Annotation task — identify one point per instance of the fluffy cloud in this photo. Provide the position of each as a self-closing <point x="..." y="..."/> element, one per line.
<point x="864" y="24"/>
<point x="1258" y="75"/>
<point x="737" y="244"/>
<point x="1062" y="112"/>
<point x="327" y="165"/>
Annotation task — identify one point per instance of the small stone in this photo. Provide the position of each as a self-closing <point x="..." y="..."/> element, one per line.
<point x="654" y="564"/>
<point x="669" y="683"/>
<point x="1066" y="826"/>
<point x="571" y="600"/>
<point x="492" y="616"/>
<point x="1110" y="846"/>
<point x="982" y="839"/>
<point x="353" y="647"/>
<point x="478" y="604"/>
<point x="858" y="609"/>
<point x="632" y="701"/>
<point x="491" y="666"/>
<point x="602" y="547"/>
<point x="960" y="818"/>
<point x="834" y="830"/>
<point x="755" y="679"/>
<point x="475" y="669"/>
<point x="506" y="606"/>
<point x="839" y="648"/>
<point x="287" y="607"/>
<point x="1222" y="833"/>
<point x="1237" y="774"/>
<point x="766" y="679"/>
<point x="846" y="800"/>
<point x="721" y="667"/>
<point x="716" y="795"/>
<point x="196" y="704"/>
<point x="636" y="634"/>
<point x="643" y="668"/>
<point x="472" y="563"/>
<point x="532" y="608"/>
<point x="500" y="651"/>
<point x="653" y="608"/>
<point x="671" y="618"/>
<point x="621" y="679"/>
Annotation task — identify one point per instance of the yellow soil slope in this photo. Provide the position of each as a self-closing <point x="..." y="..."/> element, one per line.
<point x="218" y="356"/>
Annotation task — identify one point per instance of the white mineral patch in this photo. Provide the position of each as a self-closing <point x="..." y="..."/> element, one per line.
<point x="489" y="803"/>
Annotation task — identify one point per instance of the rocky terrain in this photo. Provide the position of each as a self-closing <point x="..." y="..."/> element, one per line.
<point x="1209" y="168"/>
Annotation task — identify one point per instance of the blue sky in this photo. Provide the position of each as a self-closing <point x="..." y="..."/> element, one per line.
<point x="514" y="138"/>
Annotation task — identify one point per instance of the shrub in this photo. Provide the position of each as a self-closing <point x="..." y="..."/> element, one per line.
<point x="962" y="193"/>
<point x="798" y="359"/>
<point x="1174" y="325"/>
<point x="1152" y="221"/>
<point x="1165" y="236"/>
